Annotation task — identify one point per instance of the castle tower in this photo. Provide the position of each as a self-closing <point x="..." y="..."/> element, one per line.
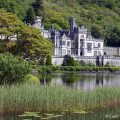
<point x="72" y="24"/>
<point x="38" y="23"/>
<point x="38" y="19"/>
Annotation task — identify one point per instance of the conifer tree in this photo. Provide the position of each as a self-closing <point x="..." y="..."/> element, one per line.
<point x="48" y="60"/>
<point x="30" y="15"/>
<point x="39" y="7"/>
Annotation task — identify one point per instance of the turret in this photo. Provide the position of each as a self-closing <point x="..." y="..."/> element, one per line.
<point x="38" y="23"/>
<point x="72" y="24"/>
<point x="52" y="27"/>
<point x="38" y="19"/>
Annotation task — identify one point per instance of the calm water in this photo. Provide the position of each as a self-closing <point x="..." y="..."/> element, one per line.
<point x="98" y="115"/>
<point x="82" y="81"/>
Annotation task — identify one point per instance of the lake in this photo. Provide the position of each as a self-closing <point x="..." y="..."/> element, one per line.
<point x="108" y="114"/>
<point x="80" y="81"/>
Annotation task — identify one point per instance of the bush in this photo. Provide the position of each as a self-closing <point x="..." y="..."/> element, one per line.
<point x="12" y="70"/>
<point x="32" y="79"/>
<point x="82" y="63"/>
<point x="69" y="61"/>
<point x="48" y="69"/>
<point x="90" y="64"/>
<point x="48" y="60"/>
<point x="55" y="68"/>
<point x="112" y="69"/>
<point x="107" y="64"/>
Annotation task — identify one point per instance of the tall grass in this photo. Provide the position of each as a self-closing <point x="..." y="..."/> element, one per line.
<point x="27" y="97"/>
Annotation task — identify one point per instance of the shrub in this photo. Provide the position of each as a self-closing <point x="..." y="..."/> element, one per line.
<point x="48" y="60"/>
<point x="66" y="68"/>
<point x="77" y="63"/>
<point x="48" y="69"/>
<point x="41" y="71"/>
<point x="90" y="64"/>
<point x="107" y="64"/>
<point x="112" y="69"/>
<point x="12" y="70"/>
<point x="69" y="61"/>
<point x="55" y="68"/>
<point x="82" y="63"/>
<point x="32" y="79"/>
<point x="72" y="68"/>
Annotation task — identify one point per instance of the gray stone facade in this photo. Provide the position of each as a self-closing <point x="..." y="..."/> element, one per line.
<point x="111" y="51"/>
<point x="77" y="41"/>
<point x="96" y="60"/>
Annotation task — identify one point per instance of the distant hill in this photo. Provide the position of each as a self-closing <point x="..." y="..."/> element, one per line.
<point x="19" y="7"/>
<point x="102" y="17"/>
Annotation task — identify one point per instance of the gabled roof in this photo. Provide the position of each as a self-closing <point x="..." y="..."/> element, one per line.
<point x="64" y="32"/>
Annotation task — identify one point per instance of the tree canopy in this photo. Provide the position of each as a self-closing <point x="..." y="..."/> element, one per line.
<point x="29" y="39"/>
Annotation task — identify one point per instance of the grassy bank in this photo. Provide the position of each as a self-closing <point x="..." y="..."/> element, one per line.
<point x="20" y="98"/>
<point x="75" y="68"/>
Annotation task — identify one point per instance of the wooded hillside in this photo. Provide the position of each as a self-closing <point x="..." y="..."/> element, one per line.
<point x="102" y="17"/>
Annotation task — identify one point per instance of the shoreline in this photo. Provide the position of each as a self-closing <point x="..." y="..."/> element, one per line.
<point x="82" y="69"/>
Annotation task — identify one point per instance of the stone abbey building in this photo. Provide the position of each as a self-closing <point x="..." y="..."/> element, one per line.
<point x="76" y="42"/>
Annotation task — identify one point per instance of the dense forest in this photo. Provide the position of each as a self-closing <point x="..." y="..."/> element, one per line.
<point x="101" y="17"/>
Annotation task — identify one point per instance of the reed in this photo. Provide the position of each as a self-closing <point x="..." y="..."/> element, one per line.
<point x="32" y="97"/>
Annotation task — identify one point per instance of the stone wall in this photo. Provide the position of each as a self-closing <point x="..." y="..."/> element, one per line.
<point x="86" y="59"/>
<point x="99" y="60"/>
<point x="57" y="60"/>
<point x="112" y="51"/>
<point x="112" y="60"/>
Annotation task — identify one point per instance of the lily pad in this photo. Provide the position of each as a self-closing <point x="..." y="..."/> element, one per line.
<point x="45" y="118"/>
<point x="80" y="112"/>
<point x="27" y="119"/>
<point x="57" y="116"/>
<point x="47" y="114"/>
<point x="62" y="113"/>
<point x="30" y="114"/>
<point x="22" y="115"/>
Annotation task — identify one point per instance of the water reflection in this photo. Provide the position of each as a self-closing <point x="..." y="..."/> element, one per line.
<point x="45" y="78"/>
<point x="83" y="81"/>
<point x="97" y="115"/>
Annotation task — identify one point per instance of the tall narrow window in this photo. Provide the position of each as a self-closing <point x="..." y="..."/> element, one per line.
<point x="63" y="43"/>
<point x="95" y="53"/>
<point x="73" y="44"/>
<point x="68" y="52"/>
<point x="89" y="47"/>
<point x="63" y="52"/>
<point x="98" y="45"/>
<point x="68" y="44"/>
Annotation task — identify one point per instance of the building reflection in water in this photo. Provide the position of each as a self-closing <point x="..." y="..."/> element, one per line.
<point x="81" y="81"/>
